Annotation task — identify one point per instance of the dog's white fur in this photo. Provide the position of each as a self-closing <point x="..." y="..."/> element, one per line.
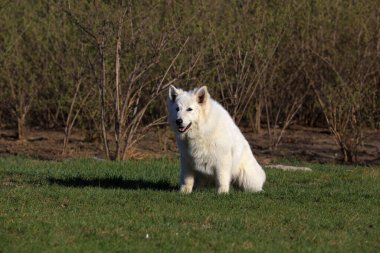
<point x="211" y="145"/>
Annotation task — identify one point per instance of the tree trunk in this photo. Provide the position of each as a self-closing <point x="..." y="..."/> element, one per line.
<point x="118" y="89"/>
<point x="66" y="139"/>
<point x="69" y="120"/>
<point x="102" y="87"/>
<point x="348" y="156"/>
<point x="257" y="123"/>
<point x="21" y="126"/>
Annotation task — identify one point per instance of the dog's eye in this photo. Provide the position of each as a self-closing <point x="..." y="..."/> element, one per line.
<point x="177" y="109"/>
<point x="189" y="109"/>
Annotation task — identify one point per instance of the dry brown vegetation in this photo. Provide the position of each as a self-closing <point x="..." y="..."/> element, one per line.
<point x="103" y="67"/>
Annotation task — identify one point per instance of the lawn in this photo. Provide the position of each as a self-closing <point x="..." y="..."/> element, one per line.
<point x="100" y="206"/>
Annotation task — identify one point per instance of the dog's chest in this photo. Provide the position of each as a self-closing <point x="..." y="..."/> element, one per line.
<point x="202" y="154"/>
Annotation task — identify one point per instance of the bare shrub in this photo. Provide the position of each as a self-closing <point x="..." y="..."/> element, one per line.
<point x="135" y="84"/>
<point x="342" y="72"/>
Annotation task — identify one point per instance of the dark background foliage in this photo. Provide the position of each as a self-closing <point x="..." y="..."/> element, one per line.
<point x="270" y="63"/>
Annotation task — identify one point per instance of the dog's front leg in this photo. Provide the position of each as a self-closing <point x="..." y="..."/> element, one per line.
<point x="187" y="178"/>
<point x="223" y="175"/>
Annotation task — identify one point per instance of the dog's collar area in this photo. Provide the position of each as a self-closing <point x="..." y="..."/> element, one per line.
<point x="184" y="129"/>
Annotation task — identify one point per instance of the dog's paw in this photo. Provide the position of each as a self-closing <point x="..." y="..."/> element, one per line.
<point x="186" y="189"/>
<point x="223" y="189"/>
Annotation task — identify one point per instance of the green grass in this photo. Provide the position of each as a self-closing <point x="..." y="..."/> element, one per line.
<point x="99" y="206"/>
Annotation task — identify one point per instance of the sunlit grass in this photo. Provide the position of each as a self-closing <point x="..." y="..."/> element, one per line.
<point x="93" y="206"/>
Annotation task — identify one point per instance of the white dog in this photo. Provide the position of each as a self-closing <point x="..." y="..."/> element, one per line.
<point x="210" y="144"/>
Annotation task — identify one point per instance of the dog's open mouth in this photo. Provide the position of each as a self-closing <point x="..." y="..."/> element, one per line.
<point x="184" y="129"/>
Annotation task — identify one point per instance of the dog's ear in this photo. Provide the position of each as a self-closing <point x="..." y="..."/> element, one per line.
<point x="173" y="93"/>
<point x="202" y="95"/>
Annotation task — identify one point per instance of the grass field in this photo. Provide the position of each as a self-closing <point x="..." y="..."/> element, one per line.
<point x="99" y="206"/>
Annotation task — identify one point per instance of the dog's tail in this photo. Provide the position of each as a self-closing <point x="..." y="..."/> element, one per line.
<point x="251" y="176"/>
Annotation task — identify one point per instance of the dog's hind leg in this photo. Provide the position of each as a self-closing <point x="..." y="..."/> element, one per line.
<point x="251" y="176"/>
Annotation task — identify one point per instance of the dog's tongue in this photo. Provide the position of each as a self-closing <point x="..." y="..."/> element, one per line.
<point x="183" y="129"/>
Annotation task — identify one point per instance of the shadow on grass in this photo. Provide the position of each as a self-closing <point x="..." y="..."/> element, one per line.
<point x="114" y="183"/>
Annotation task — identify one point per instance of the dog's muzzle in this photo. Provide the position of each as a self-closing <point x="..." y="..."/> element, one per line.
<point x="184" y="129"/>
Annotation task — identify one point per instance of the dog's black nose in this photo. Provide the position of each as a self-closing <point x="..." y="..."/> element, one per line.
<point x="179" y="122"/>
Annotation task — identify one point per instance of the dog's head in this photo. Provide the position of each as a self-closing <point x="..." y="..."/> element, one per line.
<point x="187" y="108"/>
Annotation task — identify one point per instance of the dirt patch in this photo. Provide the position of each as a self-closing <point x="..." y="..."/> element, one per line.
<point x="308" y="144"/>
<point x="316" y="145"/>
